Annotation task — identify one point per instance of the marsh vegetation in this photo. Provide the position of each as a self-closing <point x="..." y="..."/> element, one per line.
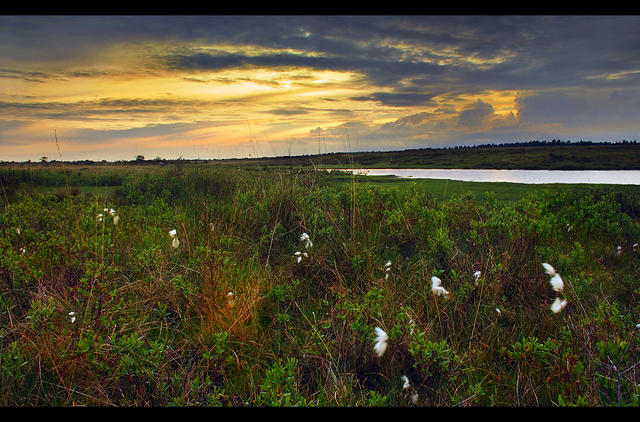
<point x="246" y="311"/>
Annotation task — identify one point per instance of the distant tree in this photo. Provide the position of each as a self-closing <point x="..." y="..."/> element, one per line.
<point x="44" y="159"/>
<point x="139" y="157"/>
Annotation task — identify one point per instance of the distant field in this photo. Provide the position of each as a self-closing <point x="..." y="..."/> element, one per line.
<point x="103" y="179"/>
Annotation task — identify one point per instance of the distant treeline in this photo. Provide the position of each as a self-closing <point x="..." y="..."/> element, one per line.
<point x="536" y="154"/>
<point x="553" y="142"/>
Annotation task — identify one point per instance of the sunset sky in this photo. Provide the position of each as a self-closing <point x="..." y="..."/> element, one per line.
<point x="113" y="87"/>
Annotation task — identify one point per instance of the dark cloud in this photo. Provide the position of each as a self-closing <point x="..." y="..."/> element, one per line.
<point x="581" y="108"/>
<point x="289" y="112"/>
<point x="494" y="52"/>
<point x="401" y="99"/>
<point x="476" y="115"/>
<point x="24" y="75"/>
<point x="98" y="109"/>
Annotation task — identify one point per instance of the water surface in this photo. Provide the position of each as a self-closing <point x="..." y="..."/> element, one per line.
<point x="610" y="177"/>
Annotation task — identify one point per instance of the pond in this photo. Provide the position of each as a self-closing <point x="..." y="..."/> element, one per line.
<point x="613" y="177"/>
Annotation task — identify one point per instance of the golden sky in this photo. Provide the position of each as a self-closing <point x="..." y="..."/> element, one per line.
<point x="222" y="86"/>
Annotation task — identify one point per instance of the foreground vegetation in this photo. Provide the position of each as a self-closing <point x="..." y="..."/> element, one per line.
<point x="104" y="314"/>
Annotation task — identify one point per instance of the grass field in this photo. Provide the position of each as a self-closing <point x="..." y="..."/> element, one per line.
<point x="106" y="311"/>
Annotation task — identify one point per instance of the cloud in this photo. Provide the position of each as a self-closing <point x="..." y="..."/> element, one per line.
<point x="103" y="109"/>
<point x="289" y="112"/>
<point x="399" y="99"/>
<point x="442" y="79"/>
<point x="477" y="115"/>
<point x="573" y="109"/>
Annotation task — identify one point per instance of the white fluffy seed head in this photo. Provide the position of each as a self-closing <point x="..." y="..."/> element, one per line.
<point x="175" y="243"/>
<point x="556" y="282"/>
<point x="381" y="335"/>
<point x="173" y="233"/>
<point x="380" y="347"/>
<point x="477" y="274"/>
<point x="436" y="287"/>
<point x="549" y="269"/>
<point x="558" y="305"/>
<point x="405" y="382"/>
<point x="307" y="240"/>
<point x="381" y="341"/>
<point x="116" y="218"/>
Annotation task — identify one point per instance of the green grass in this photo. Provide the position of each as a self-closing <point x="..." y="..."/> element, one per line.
<point x="154" y="326"/>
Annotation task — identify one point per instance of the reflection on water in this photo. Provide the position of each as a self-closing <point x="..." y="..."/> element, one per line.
<point x="614" y="177"/>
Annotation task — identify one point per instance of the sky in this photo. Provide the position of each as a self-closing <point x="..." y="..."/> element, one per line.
<point x="114" y="87"/>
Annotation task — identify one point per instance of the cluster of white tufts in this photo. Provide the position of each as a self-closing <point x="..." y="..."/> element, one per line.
<point x="21" y="250"/>
<point x="299" y="255"/>
<point x="557" y="285"/>
<point x="304" y="237"/>
<point x="387" y="269"/>
<point x="413" y="396"/>
<point x="110" y="211"/>
<point x="307" y="241"/>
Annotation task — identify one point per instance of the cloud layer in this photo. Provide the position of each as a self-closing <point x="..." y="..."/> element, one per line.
<point x="197" y="85"/>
